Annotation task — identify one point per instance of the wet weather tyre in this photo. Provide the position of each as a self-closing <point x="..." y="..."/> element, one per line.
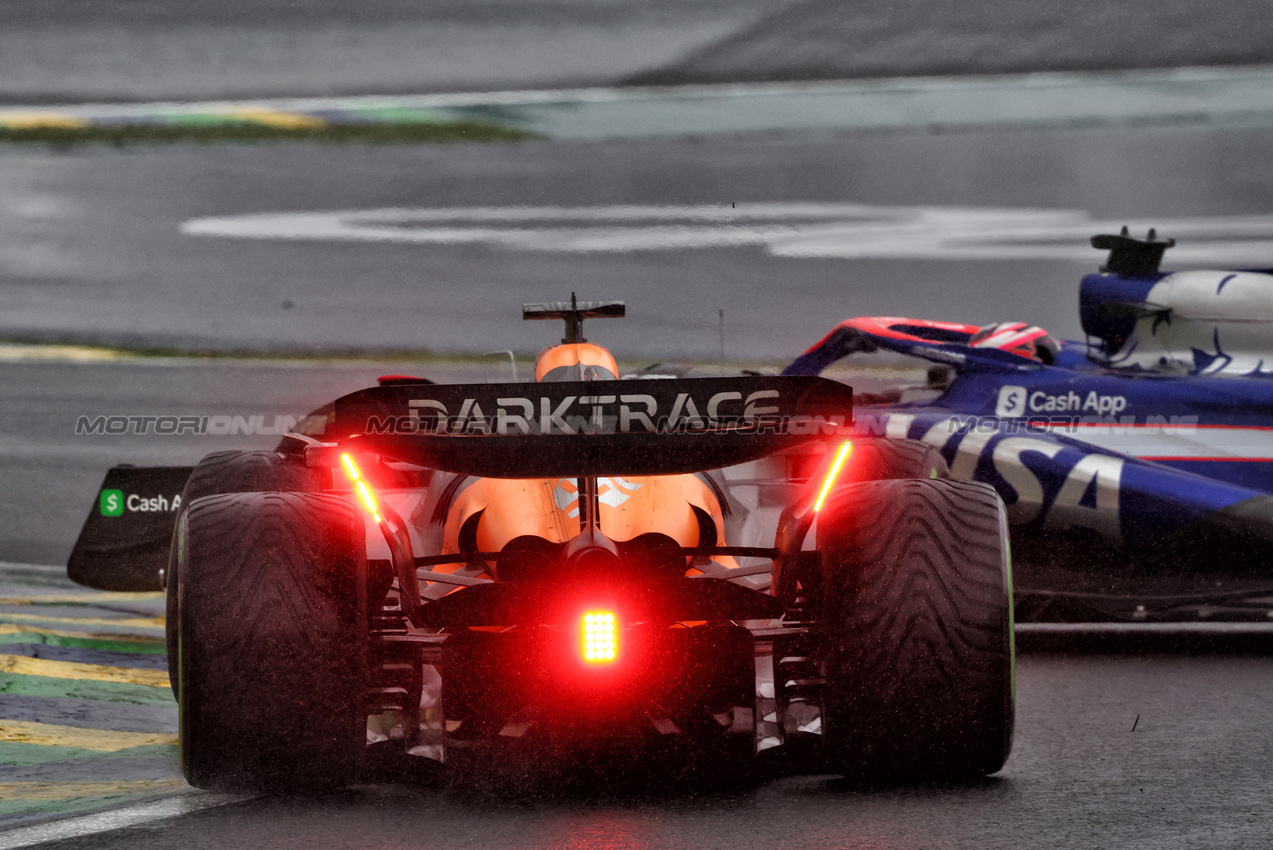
<point x="272" y="655"/>
<point x="883" y="459"/>
<point x="253" y="472"/>
<point x="237" y="472"/>
<point x="917" y="611"/>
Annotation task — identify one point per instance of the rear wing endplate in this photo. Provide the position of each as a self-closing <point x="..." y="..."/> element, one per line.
<point x="124" y="543"/>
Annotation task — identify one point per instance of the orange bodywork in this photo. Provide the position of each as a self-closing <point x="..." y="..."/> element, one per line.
<point x="549" y="508"/>
<point x="575" y="361"/>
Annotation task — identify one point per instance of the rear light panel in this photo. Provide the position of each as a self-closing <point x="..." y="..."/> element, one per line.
<point x="599" y="637"/>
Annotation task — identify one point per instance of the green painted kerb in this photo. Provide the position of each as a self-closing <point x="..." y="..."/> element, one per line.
<point x="120" y="692"/>
<point x="123" y="644"/>
<point x="26" y="755"/>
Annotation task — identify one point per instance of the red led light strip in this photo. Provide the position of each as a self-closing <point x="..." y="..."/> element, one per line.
<point x="840" y="457"/>
<point x="355" y="478"/>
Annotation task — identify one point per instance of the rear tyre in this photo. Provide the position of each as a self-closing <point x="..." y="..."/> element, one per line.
<point x="236" y="472"/>
<point x="253" y="472"/>
<point x="272" y="655"/>
<point x="917" y="606"/>
<point x="883" y="459"/>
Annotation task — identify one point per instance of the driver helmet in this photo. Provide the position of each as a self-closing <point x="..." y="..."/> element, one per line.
<point x="1018" y="338"/>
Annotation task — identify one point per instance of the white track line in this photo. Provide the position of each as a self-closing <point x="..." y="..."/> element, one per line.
<point x="99" y="822"/>
<point x="51" y="569"/>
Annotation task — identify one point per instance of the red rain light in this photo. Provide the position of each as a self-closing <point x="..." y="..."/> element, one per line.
<point x="836" y="465"/>
<point x="355" y="478"/>
<point x="600" y="637"/>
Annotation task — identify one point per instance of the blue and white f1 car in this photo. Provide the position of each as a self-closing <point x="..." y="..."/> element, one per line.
<point x="1137" y="465"/>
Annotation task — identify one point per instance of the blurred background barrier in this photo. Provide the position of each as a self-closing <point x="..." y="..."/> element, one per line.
<point x="60" y="51"/>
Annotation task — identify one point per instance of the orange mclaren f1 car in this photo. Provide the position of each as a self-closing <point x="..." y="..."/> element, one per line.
<point x="550" y="577"/>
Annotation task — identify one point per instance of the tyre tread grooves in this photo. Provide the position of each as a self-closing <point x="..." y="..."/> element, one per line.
<point x="919" y="663"/>
<point x="273" y="640"/>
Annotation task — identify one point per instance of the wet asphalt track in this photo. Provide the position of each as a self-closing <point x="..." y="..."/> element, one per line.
<point x="95" y="251"/>
<point x="93" y="248"/>
<point x="1135" y="751"/>
<point x="83" y="50"/>
<point x="1111" y="752"/>
<point x="1193" y="773"/>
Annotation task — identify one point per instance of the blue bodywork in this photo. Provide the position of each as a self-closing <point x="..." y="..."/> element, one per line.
<point x="1119" y="479"/>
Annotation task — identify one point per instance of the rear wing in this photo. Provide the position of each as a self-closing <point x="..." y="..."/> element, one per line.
<point x="574" y="312"/>
<point x="586" y="428"/>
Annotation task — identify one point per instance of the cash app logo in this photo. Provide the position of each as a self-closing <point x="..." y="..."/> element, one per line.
<point x="112" y="502"/>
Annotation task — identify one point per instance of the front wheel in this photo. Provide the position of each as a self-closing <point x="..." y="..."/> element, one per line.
<point x="917" y="608"/>
<point x="272" y="641"/>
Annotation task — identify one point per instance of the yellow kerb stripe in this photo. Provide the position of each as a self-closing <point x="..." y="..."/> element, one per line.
<point x="71" y="670"/>
<point x="135" y="623"/>
<point x="76" y="598"/>
<point x="38" y="120"/>
<point x="103" y="740"/>
<point x="286" y="120"/>
<point x="71" y="790"/>
<point x="16" y="629"/>
<point x="10" y="352"/>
